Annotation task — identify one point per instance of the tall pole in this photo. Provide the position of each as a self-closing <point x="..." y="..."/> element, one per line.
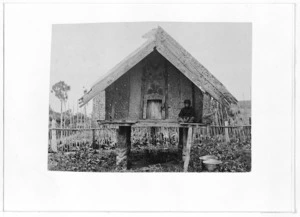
<point x="61" y="103"/>
<point x="73" y="116"/>
<point x="76" y="114"/>
<point x="85" y="118"/>
<point x="84" y="123"/>
<point x="65" y="116"/>
<point x="70" y="117"/>
<point x="69" y="114"/>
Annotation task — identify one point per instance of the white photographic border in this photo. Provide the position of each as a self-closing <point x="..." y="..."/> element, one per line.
<point x="29" y="186"/>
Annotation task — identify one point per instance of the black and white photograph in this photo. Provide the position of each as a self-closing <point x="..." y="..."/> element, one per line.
<point x="156" y="109"/>
<point x="150" y="97"/>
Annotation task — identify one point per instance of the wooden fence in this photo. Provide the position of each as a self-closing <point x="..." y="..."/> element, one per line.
<point x="234" y="132"/>
<point x="141" y="136"/>
<point x="68" y="139"/>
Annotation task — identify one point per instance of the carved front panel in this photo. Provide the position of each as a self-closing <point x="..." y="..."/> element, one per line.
<point x="154" y="84"/>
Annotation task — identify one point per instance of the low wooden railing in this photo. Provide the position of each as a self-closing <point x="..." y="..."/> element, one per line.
<point x="234" y="132"/>
<point x="66" y="139"/>
<point x="141" y="135"/>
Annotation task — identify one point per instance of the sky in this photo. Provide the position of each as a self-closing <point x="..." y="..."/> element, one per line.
<point x="82" y="53"/>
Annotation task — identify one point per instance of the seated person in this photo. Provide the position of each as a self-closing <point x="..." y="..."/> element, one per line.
<point x="187" y="114"/>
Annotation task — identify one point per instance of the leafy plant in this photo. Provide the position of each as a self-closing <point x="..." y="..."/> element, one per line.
<point x="236" y="156"/>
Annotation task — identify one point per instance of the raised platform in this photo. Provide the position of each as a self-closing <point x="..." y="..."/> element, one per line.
<point x="149" y="123"/>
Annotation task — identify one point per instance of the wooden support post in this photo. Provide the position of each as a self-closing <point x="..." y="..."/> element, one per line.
<point x="226" y="132"/>
<point x="53" y="134"/>
<point x="188" y="149"/>
<point x="153" y="136"/>
<point x="207" y="131"/>
<point x="123" y="147"/>
<point x="182" y="141"/>
<point x="94" y="145"/>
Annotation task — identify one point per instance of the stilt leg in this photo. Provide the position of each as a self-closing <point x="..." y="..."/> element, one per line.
<point x="123" y="147"/>
<point x="188" y="149"/>
<point x="182" y="142"/>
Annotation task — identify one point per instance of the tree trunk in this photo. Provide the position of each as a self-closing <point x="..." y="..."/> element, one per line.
<point x="64" y="115"/>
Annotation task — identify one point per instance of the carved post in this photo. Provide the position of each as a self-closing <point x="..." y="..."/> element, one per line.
<point x="53" y="135"/>
<point x="123" y="147"/>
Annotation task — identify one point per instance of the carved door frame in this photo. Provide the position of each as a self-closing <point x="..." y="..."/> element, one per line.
<point x="154" y="97"/>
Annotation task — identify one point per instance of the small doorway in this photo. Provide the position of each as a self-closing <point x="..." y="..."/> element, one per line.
<point x="154" y="109"/>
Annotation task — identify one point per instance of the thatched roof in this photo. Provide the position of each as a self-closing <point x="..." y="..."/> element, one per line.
<point x="175" y="54"/>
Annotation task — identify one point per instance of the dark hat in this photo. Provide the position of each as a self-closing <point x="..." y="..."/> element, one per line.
<point x="187" y="101"/>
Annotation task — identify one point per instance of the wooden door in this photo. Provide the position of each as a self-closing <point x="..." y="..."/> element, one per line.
<point x="154" y="109"/>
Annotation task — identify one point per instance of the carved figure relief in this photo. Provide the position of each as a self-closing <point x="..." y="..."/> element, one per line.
<point x="154" y="83"/>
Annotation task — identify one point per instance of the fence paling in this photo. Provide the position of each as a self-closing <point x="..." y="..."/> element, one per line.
<point x="106" y="135"/>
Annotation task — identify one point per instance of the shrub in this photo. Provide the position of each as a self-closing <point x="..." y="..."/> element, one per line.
<point x="235" y="156"/>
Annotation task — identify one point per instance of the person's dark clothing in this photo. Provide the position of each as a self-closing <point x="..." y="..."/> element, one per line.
<point x="187" y="112"/>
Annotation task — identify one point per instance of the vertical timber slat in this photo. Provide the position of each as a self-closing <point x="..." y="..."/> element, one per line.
<point x="188" y="149"/>
<point x="53" y="140"/>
